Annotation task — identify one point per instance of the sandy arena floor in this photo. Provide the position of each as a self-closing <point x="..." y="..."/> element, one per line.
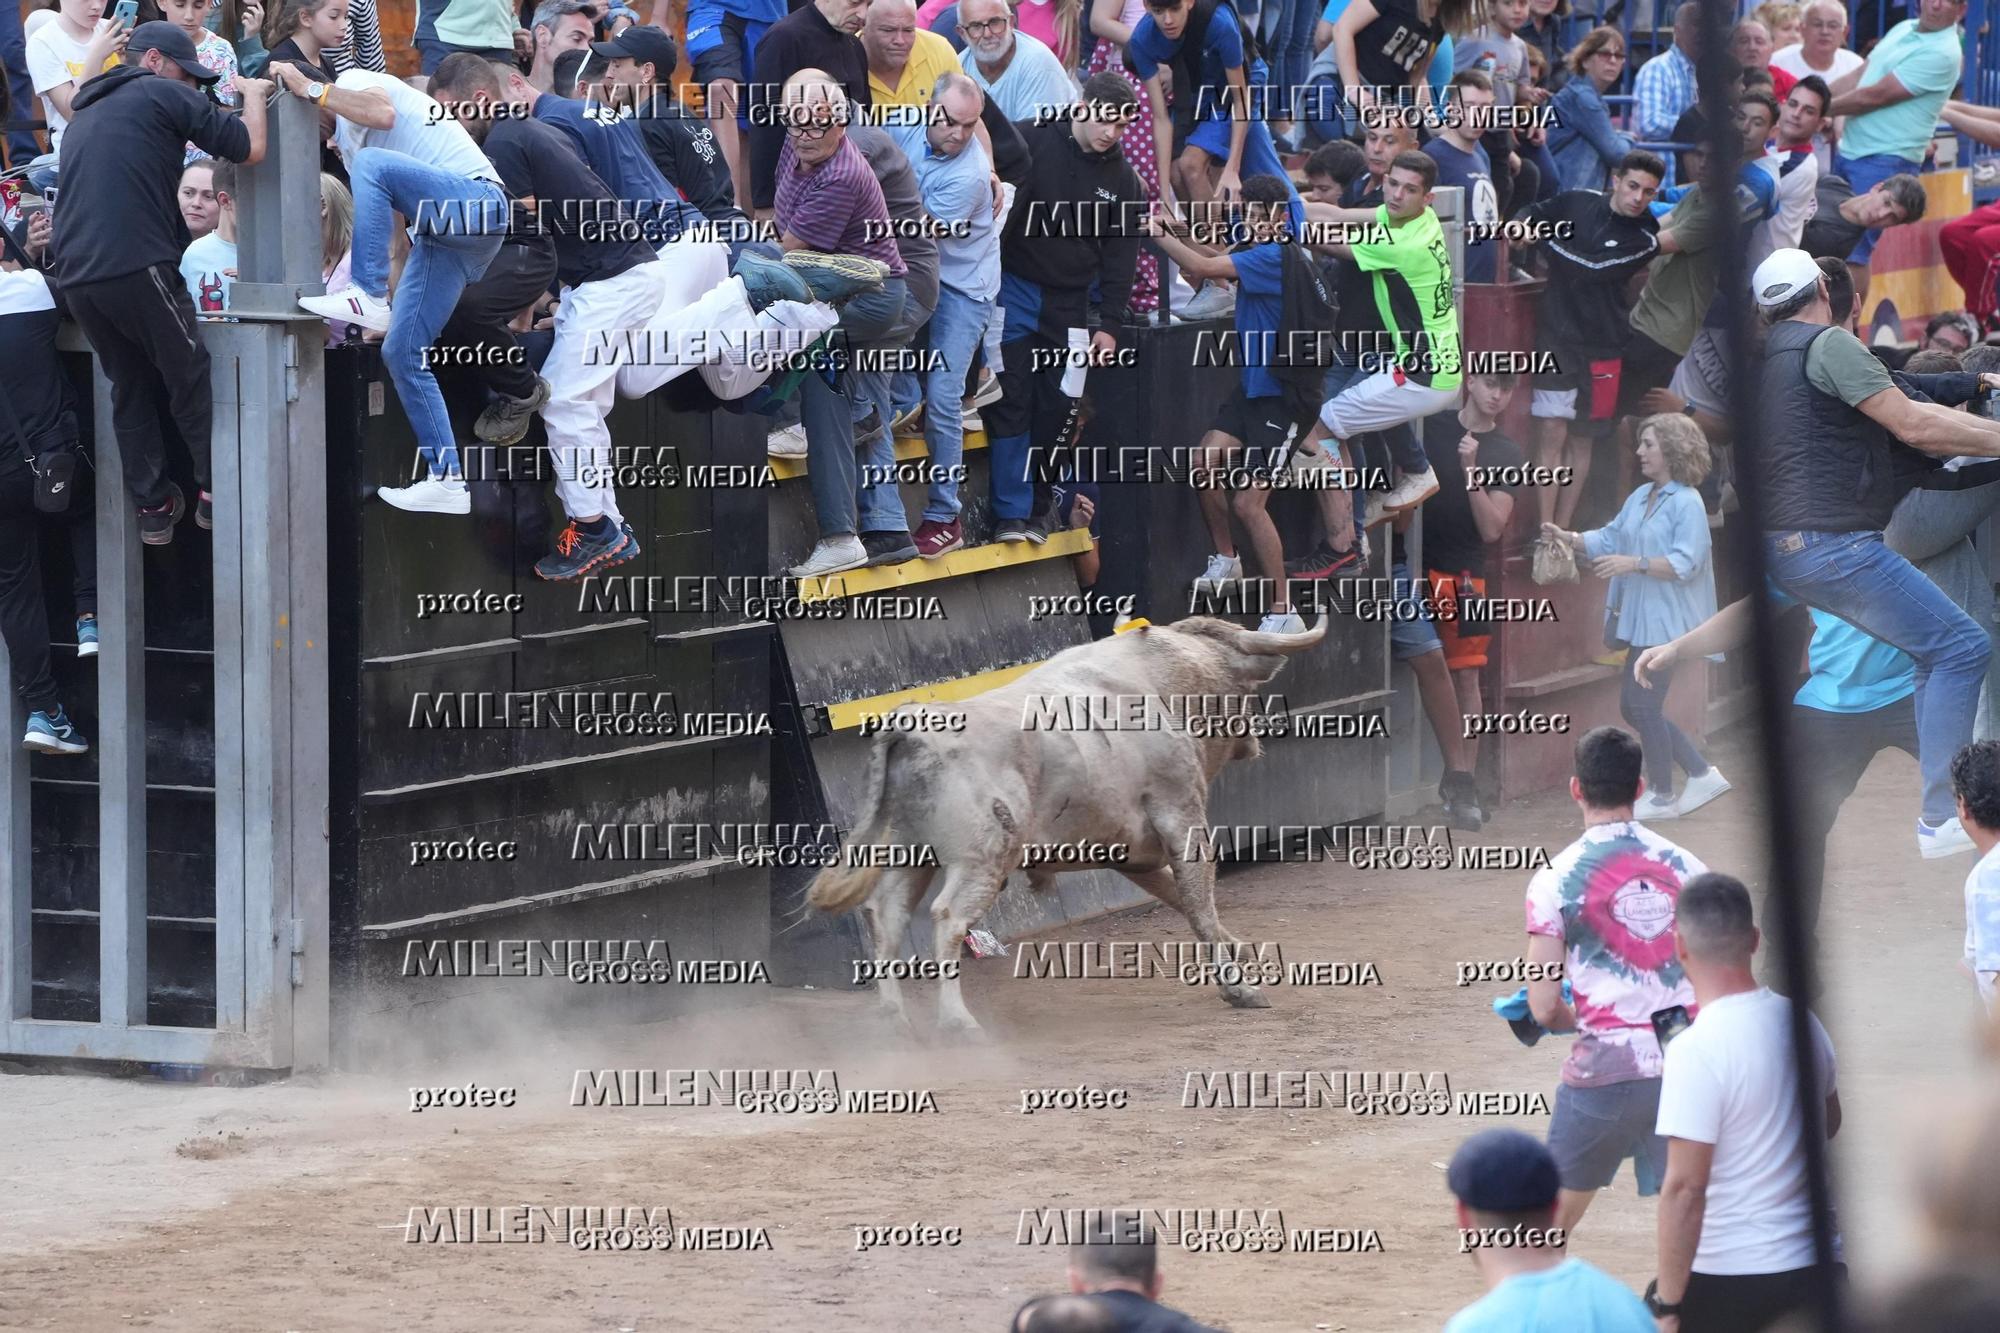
<point x="143" y="1205"/>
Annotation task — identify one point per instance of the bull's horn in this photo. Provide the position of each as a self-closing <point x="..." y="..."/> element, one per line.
<point x="1257" y="641"/>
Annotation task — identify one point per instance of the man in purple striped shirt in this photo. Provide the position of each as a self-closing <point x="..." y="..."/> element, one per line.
<point x="828" y="200"/>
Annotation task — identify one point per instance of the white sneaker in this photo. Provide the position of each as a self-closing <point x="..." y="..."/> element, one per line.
<point x="1947" y="839"/>
<point x="970" y="419"/>
<point x="989" y="390"/>
<point x="1697" y="792"/>
<point x="1373" y="511"/>
<point x="1411" y="491"/>
<point x="787" y="442"/>
<point x="350" y="305"/>
<point x="1213" y="301"/>
<point x="1652" y="807"/>
<point x="1222" y="569"/>
<point x="1282" y="622"/>
<point x="833" y="555"/>
<point x="432" y="495"/>
<point x="1367" y="551"/>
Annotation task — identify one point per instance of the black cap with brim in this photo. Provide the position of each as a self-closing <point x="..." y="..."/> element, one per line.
<point x="172" y="43"/>
<point x="647" y="45"/>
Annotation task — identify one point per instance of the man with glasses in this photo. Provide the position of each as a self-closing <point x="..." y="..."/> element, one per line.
<point x="822" y="36"/>
<point x="1022" y="76"/>
<point x="1892" y="104"/>
<point x="826" y="199"/>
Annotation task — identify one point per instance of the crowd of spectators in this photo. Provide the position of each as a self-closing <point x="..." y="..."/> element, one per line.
<point x="885" y="218"/>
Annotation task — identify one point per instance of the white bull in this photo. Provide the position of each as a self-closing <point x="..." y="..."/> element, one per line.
<point x="975" y="799"/>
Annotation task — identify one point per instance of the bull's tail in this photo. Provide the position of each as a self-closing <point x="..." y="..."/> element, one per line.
<point x="842" y="887"/>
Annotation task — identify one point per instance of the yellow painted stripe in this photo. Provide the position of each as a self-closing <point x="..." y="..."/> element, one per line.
<point x="907" y="448"/>
<point x="845" y="716"/>
<point x="970" y="560"/>
<point x="1918" y="293"/>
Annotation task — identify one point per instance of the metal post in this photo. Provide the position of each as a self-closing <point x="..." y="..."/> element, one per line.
<point x="121" y="741"/>
<point x="17" y="899"/>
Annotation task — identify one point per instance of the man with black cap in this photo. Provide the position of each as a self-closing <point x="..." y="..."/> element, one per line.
<point x="1506" y="1185"/>
<point x="639" y="82"/>
<point x="118" y="255"/>
<point x="1837" y="433"/>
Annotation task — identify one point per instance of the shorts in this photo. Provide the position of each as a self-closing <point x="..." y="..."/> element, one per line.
<point x="1647" y="366"/>
<point x="1426" y="619"/>
<point x="1594" y="1129"/>
<point x="1260" y="155"/>
<point x="1565" y="394"/>
<point x="720" y="44"/>
<point x="1266" y="431"/>
<point x="1379" y="401"/>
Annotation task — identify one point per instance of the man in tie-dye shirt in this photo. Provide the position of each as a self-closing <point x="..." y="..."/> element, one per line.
<point x="1604" y="910"/>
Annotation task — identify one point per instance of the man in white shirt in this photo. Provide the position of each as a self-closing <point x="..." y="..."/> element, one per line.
<point x="1735" y="1223"/>
<point x="1822" y="49"/>
<point x="1020" y="74"/>
<point x="1975" y="782"/>
<point x="1793" y="165"/>
<point x="405" y="155"/>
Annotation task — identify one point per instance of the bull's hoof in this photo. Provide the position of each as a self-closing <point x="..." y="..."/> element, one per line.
<point x="895" y="1016"/>
<point x="962" y="1032"/>
<point x="1249" y="997"/>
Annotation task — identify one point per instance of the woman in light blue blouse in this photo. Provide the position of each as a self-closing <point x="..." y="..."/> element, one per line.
<point x="1582" y="139"/>
<point x="1656" y="555"/>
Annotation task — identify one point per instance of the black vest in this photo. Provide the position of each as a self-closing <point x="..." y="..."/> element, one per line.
<point x="1826" y="465"/>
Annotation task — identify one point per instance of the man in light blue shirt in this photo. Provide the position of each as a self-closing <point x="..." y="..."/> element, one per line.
<point x="1022" y="76"/>
<point x="956" y="181"/>
<point x="1892" y="102"/>
<point x="1506" y="1185"/>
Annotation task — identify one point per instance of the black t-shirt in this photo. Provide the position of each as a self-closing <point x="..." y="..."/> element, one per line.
<point x="1388" y="51"/>
<point x="683" y="147"/>
<point x="1583" y="310"/>
<point x="288" y="51"/>
<point x="1829" y="235"/>
<point x="1354" y="289"/>
<point x="536" y="160"/>
<point x="1452" y="544"/>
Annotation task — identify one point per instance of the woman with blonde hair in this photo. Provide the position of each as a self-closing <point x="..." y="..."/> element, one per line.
<point x="1656" y="554"/>
<point x="336" y="239"/>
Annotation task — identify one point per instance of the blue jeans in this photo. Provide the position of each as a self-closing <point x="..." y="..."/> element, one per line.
<point x="828" y="413"/>
<point x="1864" y="174"/>
<point x="957" y="325"/>
<point x="431" y="54"/>
<point x="21" y="146"/>
<point x="460" y="224"/>
<point x="1292" y="55"/>
<point x="1855" y="576"/>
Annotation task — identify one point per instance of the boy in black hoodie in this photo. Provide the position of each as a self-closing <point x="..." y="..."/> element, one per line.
<point x="1076" y="222"/>
<point x="119" y="238"/>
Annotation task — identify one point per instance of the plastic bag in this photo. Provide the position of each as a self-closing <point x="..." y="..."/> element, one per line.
<point x="1554" y="561"/>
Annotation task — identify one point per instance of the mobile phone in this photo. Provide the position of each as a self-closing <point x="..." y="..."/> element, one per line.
<point x="1670" y="1023"/>
<point x="127" y="13"/>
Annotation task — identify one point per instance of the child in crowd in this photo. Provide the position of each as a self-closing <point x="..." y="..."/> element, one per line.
<point x="208" y="266"/>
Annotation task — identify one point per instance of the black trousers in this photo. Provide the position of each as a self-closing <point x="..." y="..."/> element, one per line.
<point x="24" y="613"/>
<point x="1834" y="750"/>
<point x="516" y="277"/>
<point x="144" y="330"/>
<point x="1032" y="430"/>
<point x="1749" y="1302"/>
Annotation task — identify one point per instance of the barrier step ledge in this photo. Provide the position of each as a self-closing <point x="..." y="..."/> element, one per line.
<point x="1558" y="681"/>
<point x="847" y="715"/>
<point x="968" y="560"/>
<point x="908" y="447"/>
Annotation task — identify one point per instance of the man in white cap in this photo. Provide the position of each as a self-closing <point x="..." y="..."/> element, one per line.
<point x="1836" y="432"/>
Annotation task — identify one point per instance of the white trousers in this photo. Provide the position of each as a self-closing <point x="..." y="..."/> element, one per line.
<point x="704" y="322"/>
<point x="582" y="371"/>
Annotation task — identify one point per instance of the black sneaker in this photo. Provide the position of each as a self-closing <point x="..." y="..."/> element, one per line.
<point x="204" y="512"/>
<point x="1012" y="530"/>
<point x="156" y="525"/>
<point x="506" y="420"/>
<point x="1035" y="530"/>
<point x="1323" y="563"/>
<point x="1460" y="794"/>
<point x="888" y="548"/>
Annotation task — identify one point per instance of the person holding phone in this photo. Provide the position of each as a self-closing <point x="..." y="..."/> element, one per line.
<point x="82" y="43"/>
<point x="1602" y="916"/>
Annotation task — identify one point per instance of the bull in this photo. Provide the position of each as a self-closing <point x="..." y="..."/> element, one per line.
<point x="979" y="797"/>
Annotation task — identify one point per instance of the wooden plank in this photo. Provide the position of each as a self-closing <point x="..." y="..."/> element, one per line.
<point x="576" y="893"/>
<point x="311" y="745"/>
<point x="958" y="564"/>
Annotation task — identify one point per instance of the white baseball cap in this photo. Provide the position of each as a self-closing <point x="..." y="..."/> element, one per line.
<point x="1783" y="276"/>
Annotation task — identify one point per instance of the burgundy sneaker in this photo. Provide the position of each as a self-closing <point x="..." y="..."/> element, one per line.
<point x="935" y="539"/>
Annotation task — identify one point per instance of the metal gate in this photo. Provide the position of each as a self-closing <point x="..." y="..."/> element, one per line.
<point x="268" y="683"/>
